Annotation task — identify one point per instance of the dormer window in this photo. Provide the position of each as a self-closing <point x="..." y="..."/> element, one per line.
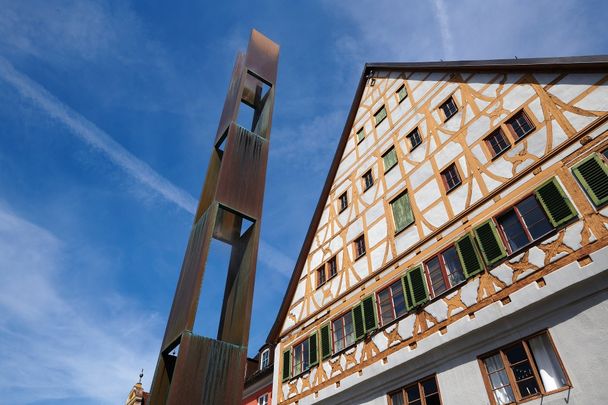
<point x="265" y="359"/>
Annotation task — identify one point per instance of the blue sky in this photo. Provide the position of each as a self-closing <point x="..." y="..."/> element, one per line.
<point x="107" y="114"/>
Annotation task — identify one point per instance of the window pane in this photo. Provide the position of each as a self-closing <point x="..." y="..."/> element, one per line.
<point x="349" y="331"/>
<point x="429" y="386"/>
<point x="499" y="379"/>
<point x="504" y="395"/>
<point x="494" y="363"/>
<point x="397" y="399"/>
<point x="437" y="282"/>
<point x="550" y="370"/>
<point x="534" y="217"/>
<point x="398" y="299"/>
<point x="360" y="135"/>
<point x="433" y="399"/>
<point x="389" y="159"/>
<point x="513" y="230"/>
<point x="453" y="267"/>
<point x="412" y="393"/>
<point x="386" y="306"/>
<point x="528" y="387"/>
<point x="516" y="353"/>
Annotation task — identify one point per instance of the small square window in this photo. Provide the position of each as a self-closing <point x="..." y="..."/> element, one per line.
<point x="389" y="159"/>
<point x="332" y="267"/>
<point x="380" y="115"/>
<point x="520" y="125"/>
<point x="360" y="135"/>
<point x="449" y="108"/>
<point x="401" y="93"/>
<point x="497" y="142"/>
<point x="320" y="276"/>
<point x="451" y="178"/>
<point x="343" y="202"/>
<point x="360" y="246"/>
<point x="414" y="138"/>
<point x="368" y="179"/>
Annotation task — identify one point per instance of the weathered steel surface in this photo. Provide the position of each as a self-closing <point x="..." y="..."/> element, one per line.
<point x="198" y="370"/>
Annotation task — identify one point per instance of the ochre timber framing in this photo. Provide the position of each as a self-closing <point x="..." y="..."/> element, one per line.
<point x="193" y="369"/>
<point x="565" y="101"/>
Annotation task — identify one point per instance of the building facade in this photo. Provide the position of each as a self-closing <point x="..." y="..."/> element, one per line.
<point x="258" y="377"/>
<point x="458" y="252"/>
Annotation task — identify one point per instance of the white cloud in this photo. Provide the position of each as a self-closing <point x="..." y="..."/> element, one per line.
<point x="446" y="35"/>
<point x="54" y="345"/>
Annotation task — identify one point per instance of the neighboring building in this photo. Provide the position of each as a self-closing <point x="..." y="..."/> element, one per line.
<point x="458" y="253"/>
<point x="258" y="378"/>
<point x="138" y="396"/>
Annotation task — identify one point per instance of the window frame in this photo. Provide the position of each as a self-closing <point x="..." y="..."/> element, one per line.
<point x="358" y="254"/>
<point x="343" y="202"/>
<point x="444" y="177"/>
<point x="502" y="234"/>
<point x="368" y="175"/>
<point x="411" y="135"/>
<point x="360" y="131"/>
<point x="382" y="324"/>
<point x="304" y="359"/>
<point x="378" y="111"/>
<point x="389" y="150"/>
<point x="522" y="111"/>
<point x="493" y="153"/>
<point x="329" y="274"/>
<point x="507" y="367"/>
<point x="446" y="118"/>
<point x="267" y="352"/>
<point x="266" y="399"/>
<point x="399" y="99"/>
<point x="444" y="274"/>
<point x="321" y="276"/>
<point x="333" y="336"/>
<point x="418" y="382"/>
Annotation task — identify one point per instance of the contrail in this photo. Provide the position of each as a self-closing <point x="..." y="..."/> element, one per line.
<point x="444" y="27"/>
<point x="96" y="137"/>
<point x="139" y="170"/>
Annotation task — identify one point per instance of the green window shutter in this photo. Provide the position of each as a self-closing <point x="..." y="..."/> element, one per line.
<point x="389" y="159"/>
<point x="417" y="284"/>
<point x="369" y="313"/>
<point x="490" y="243"/>
<point x="313" y="352"/>
<point x="358" y="321"/>
<point x="592" y="173"/>
<point x="558" y="207"/>
<point x="469" y="258"/>
<point x="325" y="341"/>
<point x="286" y="364"/>
<point x="402" y="212"/>
<point x="408" y="293"/>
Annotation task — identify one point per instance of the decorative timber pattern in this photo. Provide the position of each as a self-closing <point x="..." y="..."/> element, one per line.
<point x="562" y="108"/>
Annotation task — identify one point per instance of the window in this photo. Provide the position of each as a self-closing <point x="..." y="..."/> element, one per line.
<point x="592" y="174"/>
<point x="520" y="125"/>
<point x="368" y="179"/>
<point x="343" y="332"/>
<point x="321" y="276"/>
<point x="389" y="159"/>
<point x="402" y="212"/>
<point x="332" y="267"/>
<point x="449" y="108"/>
<point x="343" y="201"/>
<point x="524" y="223"/>
<point x="391" y="303"/>
<point x="444" y="271"/>
<point x="497" y="142"/>
<point x="263" y="400"/>
<point x="523" y="370"/>
<point x="423" y="392"/>
<point x="360" y="135"/>
<point x="300" y="358"/>
<point x="360" y="246"/>
<point x="380" y="115"/>
<point x="401" y="93"/>
<point x="451" y="178"/>
<point x="265" y="359"/>
<point x="414" y="138"/>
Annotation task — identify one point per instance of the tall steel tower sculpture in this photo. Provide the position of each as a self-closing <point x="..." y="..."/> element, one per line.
<point x="193" y="369"/>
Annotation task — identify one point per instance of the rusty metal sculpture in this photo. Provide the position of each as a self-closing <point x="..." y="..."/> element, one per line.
<point x="193" y="369"/>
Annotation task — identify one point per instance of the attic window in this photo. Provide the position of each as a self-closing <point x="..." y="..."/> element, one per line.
<point x="449" y="108"/>
<point x="265" y="359"/>
<point x="360" y="135"/>
<point x="380" y="115"/>
<point x="401" y="93"/>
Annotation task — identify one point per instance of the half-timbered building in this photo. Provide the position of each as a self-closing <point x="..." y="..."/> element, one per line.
<point x="458" y="252"/>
